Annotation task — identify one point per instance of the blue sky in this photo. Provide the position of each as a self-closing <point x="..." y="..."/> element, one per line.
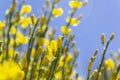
<point x="99" y="16"/>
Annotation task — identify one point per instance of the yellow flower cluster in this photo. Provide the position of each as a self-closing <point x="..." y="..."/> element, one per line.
<point x="9" y="70"/>
<point x="75" y="4"/>
<point x="109" y="64"/>
<point x="65" y="30"/>
<point x="26" y="9"/>
<point x="72" y="21"/>
<point x="57" y="12"/>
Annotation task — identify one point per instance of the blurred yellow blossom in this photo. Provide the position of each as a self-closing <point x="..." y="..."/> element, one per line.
<point x="57" y="12"/>
<point x="33" y="51"/>
<point x="11" y="52"/>
<point x="25" y="22"/>
<point x="53" y="46"/>
<point x="9" y="70"/>
<point x="75" y="4"/>
<point x="2" y="25"/>
<point x="12" y="41"/>
<point x="58" y="75"/>
<point x="13" y="30"/>
<point x="72" y="21"/>
<point x="26" y="9"/>
<point x="109" y="64"/>
<point x="21" y="39"/>
<point x="43" y="41"/>
<point x="69" y="57"/>
<point x="65" y="30"/>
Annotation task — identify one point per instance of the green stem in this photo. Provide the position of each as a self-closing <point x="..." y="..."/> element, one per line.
<point x="103" y="57"/>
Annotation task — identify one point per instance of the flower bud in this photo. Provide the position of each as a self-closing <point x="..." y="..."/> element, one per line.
<point x="94" y="73"/>
<point x="48" y="3"/>
<point x="103" y="39"/>
<point x="112" y="36"/>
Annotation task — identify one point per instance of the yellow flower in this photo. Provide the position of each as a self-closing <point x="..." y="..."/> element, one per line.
<point x="13" y="30"/>
<point x="58" y="75"/>
<point x="42" y="41"/>
<point x="11" y="52"/>
<point x="53" y="46"/>
<point x="2" y="25"/>
<point x="12" y="42"/>
<point x="72" y="21"/>
<point x="75" y="4"/>
<point x="69" y="58"/>
<point x="65" y="30"/>
<point x="57" y="12"/>
<point x="21" y="39"/>
<point x="43" y="19"/>
<point x="26" y="9"/>
<point x="9" y="70"/>
<point x="25" y="22"/>
<point x="109" y="64"/>
<point x="33" y="51"/>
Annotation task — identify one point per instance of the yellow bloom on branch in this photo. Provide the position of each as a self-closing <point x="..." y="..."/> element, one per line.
<point x="2" y="25"/>
<point x="109" y="64"/>
<point x="65" y="30"/>
<point x="72" y="21"/>
<point x="25" y="22"/>
<point x="42" y="41"/>
<point x="9" y="70"/>
<point x="53" y="46"/>
<point x="75" y="4"/>
<point x="26" y="9"/>
<point x="57" y="12"/>
<point x="21" y="39"/>
<point x="13" y="30"/>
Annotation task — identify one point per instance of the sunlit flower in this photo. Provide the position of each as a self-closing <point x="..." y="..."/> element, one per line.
<point x="13" y="30"/>
<point x="33" y="51"/>
<point x="109" y="64"/>
<point x="75" y="4"/>
<point x="53" y="46"/>
<point x="26" y="9"/>
<point x="2" y="25"/>
<point x="9" y="70"/>
<point x="43" y="41"/>
<point x="72" y="21"/>
<point x="25" y="22"/>
<point x="43" y="19"/>
<point x="21" y="39"/>
<point x="65" y="30"/>
<point x="57" y="12"/>
<point x="58" y="75"/>
<point x="11" y="52"/>
<point x="12" y="42"/>
<point x="69" y="57"/>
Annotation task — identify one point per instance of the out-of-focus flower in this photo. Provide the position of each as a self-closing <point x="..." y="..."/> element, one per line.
<point x="26" y="9"/>
<point x="109" y="64"/>
<point x="72" y="21"/>
<point x="12" y="42"/>
<point x="21" y="39"/>
<point x="43" y="41"/>
<point x="11" y="52"/>
<point x="2" y="25"/>
<point x="53" y="46"/>
<point x="58" y="75"/>
<point x="25" y="22"/>
<point x="9" y="70"/>
<point x="75" y="4"/>
<point x="13" y="30"/>
<point x="65" y="30"/>
<point x="57" y="12"/>
<point x="69" y="58"/>
<point x="33" y="51"/>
